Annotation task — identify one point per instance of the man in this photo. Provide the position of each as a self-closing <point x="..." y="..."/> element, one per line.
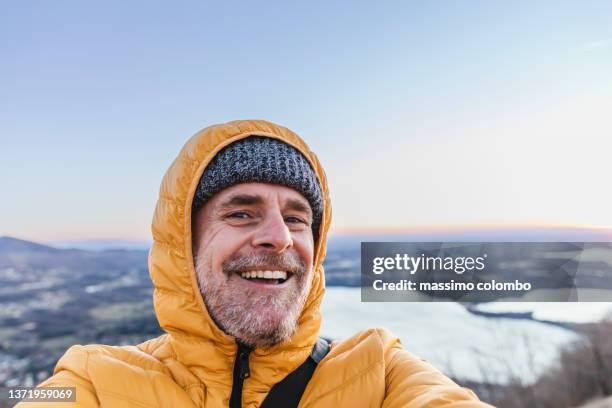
<point x="239" y="240"/>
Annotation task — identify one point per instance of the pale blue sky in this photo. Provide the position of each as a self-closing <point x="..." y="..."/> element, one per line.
<point x="424" y="114"/>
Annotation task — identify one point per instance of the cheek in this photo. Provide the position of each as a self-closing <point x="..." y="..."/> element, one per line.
<point x="304" y="245"/>
<point x="222" y="243"/>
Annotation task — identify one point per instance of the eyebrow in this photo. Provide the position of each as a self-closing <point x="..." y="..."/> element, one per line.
<point x="298" y="205"/>
<point x="248" y="199"/>
<point x="241" y="199"/>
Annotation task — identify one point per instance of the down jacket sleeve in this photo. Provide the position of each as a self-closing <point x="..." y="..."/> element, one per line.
<point x="70" y="371"/>
<point x="413" y="383"/>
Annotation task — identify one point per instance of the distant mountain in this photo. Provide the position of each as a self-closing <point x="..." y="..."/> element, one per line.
<point x="30" y="257"/>
<point x="9" y="244"/>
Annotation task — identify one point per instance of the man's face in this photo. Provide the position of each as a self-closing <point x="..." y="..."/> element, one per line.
<point x="253" y="249"/>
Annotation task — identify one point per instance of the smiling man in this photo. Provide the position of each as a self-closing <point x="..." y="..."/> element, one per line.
<point x="239" y="240"/>
<point x="254" y="251"/>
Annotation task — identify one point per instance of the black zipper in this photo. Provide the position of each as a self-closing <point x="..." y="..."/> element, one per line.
<point x="241" y="371"/>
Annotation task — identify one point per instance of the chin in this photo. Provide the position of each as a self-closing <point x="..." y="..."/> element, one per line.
<point x="268" y="326"/>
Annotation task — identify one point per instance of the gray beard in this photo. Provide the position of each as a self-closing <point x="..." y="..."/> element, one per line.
<point x="256" y="319"/>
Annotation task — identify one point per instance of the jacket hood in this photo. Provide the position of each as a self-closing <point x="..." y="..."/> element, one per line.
<point x="196" y="340"/>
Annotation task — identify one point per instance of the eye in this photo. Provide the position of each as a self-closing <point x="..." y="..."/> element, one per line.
<point x="295" y="220"/>
<point x="241" y="215"/>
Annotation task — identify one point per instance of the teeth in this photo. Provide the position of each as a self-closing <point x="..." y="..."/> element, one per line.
<point x="264" y="274"/>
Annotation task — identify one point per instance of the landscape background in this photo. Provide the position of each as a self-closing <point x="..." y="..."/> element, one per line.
<point x="52" y="298"/>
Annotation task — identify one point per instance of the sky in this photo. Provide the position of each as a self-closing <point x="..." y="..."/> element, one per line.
<point x="424" y="114"/>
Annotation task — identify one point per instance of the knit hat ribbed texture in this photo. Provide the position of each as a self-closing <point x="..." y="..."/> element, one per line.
<point x="264" y="160"/>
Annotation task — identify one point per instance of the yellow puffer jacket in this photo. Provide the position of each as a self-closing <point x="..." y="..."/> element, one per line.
<point x="191" y="365"/>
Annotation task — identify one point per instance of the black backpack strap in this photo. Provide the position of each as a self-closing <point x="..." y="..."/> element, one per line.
<point x="288" y="392"/>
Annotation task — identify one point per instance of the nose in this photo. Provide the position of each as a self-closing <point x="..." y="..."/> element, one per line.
<point x="273" y="234"/>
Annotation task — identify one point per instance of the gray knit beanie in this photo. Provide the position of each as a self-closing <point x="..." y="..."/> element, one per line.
<point x="265" y="160"/>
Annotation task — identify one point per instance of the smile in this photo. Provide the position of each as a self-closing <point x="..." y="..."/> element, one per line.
<point x="265" y="277"/>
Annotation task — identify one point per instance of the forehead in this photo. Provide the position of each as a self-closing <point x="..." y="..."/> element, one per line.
<point x="267" y="192"/>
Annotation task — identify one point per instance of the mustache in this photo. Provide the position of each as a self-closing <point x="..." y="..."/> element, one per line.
<point x="286" y="261"/>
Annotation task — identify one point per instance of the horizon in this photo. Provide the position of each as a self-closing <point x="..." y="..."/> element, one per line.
<point x="367" y="230"/>
<point x="492" y="233"/>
